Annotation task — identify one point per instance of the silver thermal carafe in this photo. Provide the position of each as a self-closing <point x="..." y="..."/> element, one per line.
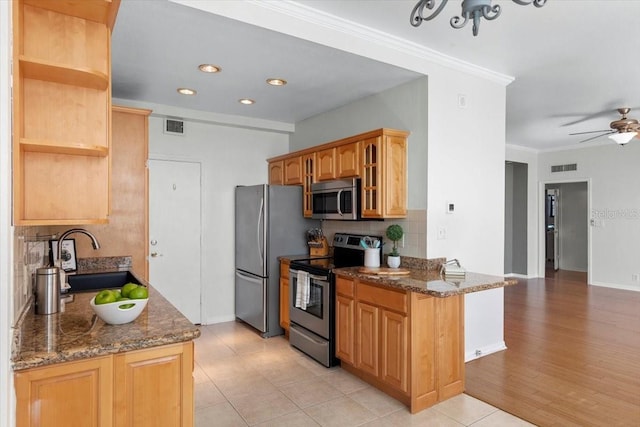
<point x="47" y="290"/>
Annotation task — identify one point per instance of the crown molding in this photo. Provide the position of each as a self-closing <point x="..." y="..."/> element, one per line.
<point x="248" y="11"/>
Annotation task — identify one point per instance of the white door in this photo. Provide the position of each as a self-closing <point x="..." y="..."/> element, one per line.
<point x="174" y="234"/>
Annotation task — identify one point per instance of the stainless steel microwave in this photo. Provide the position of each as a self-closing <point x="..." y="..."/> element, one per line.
<point x="339" y="199"/>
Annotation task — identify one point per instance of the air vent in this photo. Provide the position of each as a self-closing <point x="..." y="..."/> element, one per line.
<point x="565" y="168"/>
<point x="173" y="126"/>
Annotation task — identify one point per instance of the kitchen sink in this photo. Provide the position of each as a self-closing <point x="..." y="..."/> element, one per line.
<point x="96" y="281"/>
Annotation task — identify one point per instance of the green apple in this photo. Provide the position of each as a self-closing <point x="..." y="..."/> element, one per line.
<point x="127" y="288"/>
<point x="139" y="293"/>
<point x="105" y="297"/>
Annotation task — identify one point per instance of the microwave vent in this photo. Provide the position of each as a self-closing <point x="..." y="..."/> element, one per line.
<point x="174" y="126"/>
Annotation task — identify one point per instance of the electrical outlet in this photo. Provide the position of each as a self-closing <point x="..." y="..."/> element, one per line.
<point x="442" y="233"/>
<point x="635" y="277"/>
<point x="402" y="242"/>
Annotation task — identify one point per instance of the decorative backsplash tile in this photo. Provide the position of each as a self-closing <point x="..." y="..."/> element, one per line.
<point x="414" y="226"/>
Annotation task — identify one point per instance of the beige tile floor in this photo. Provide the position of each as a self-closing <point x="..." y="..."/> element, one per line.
<point x="242" y="379"/>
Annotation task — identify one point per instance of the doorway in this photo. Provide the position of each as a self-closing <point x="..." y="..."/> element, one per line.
<point x="515" y="219"/>
<point x="175" y="233"/>
<point x="566" y="229"/>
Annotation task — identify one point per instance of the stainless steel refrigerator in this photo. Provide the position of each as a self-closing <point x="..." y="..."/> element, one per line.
<point x="269" y="223"/>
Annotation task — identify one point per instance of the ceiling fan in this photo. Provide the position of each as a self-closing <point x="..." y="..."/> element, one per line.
<point x="622" y="130"/>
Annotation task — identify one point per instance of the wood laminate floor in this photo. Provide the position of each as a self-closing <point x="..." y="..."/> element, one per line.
<point x="573" y="356"/>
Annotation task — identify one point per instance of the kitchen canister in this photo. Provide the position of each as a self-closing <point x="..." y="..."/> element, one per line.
<point x="47" y="290"/>
<point x="372" y="257"/>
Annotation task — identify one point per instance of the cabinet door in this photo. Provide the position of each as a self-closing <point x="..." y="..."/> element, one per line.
<point x="308" y="166"/>
<point x="394" y="195"/>
<point x="154" y="387"/>
<point x="450" y="346"/>
<point x="348" y="160"/>
<point x="371" y="178"/>
<point x="284" y="295"/>
<point x="69" y="394"/>
<point x="367" y="338"/>
<point x="293" y="171"/>
<point x="395" y="351"/>
<point x="326" y="168"/>
<point x="345" y="329"/>
<point x="276" y="173"/>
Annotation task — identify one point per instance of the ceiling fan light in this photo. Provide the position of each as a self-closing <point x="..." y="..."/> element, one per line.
<point x="623" y="137"/>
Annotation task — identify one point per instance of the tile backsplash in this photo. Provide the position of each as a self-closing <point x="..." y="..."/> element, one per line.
<point x="414" y="226"/>
<point x="31" y="251"/>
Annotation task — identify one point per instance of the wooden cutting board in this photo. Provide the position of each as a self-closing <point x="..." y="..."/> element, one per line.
<point x="384" y="271"/>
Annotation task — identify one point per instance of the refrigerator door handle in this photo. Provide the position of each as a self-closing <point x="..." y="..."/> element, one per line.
<point x="259" y="242"/>
<point x="249" y="277"/>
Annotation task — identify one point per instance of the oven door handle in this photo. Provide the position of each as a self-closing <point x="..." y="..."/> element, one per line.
<point x="311" y="276"/>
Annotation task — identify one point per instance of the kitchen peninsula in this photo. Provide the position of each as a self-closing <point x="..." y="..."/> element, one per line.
<point x="71" y="368"/>
<point x="405" y="334"/>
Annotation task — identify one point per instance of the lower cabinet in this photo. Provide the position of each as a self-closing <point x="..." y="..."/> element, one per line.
<point x="409" y="345"/>
<point x="151" y="387"/>
<point x="284" y="295"/>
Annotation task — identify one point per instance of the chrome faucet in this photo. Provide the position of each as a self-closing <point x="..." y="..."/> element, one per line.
<point x="94" y="243"/>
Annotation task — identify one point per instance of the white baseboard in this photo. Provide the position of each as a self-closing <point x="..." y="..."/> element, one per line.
<point x="521" y="276"/>
<point x="617" y="286"/>
<point x="484" y="351"/>
<point x="220" y="319"/>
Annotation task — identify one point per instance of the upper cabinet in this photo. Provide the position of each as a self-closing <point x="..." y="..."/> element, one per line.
<point x="62" y="111"/>
<point x="378" y="157"/>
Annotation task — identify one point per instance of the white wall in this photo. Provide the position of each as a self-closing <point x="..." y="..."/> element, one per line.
<point x="403" y="107"/>
<point x="466" y="158"/>
<point x="573" y="225"/>
<point x="7" y="400"/>
<point x="529" y="157"/>
<point x="614" y="178"/>
<point x="230" y="156"/>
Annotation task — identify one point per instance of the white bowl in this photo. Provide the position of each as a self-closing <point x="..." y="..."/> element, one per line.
<point x="113" y="313"/>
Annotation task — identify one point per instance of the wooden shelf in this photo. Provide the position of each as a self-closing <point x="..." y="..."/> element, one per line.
<point x="63" y="147"/>
<point x="37" y="69"/>
<point x="102" y="11"/>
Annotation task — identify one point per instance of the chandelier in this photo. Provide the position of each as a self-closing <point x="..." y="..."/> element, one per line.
<point x="471" y="10"/>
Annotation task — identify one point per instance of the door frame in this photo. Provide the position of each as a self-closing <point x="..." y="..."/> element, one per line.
<point x="541" y="223"/>
<point x="184" y="159"/>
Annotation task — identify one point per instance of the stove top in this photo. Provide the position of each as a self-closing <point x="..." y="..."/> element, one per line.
<point x="347" y="252"/>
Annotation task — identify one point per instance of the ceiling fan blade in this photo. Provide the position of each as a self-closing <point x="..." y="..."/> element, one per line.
<point x="595" y="137"/>
<point x="612" y="112"/>
<point x="591" y="131"/>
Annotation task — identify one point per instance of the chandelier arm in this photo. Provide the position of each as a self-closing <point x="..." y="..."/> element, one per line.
<point x="491" y="12"/>
<point x="536" y="3"/>
<point x="455" y="21"/>
<point x="417" y="17"/>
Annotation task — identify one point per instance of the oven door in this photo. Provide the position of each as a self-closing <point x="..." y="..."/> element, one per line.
<point x="315" y="316"/>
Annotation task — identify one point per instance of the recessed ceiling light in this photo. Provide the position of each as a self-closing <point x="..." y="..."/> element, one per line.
<point x="277" y="82"/>
<point x="209" y="68"/>
<point x="246" y="101"/>
<point x="186" y="91"/>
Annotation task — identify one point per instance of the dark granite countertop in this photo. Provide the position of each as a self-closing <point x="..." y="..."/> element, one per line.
<point x="430" y="282"/>
<point x="77" y="333"/>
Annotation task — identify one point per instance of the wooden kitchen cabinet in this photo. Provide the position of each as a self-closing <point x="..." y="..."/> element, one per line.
<point x="68" y="394"/>
<point x="308" y="178"/>
<point x="62" y="111"/>
<point x="348" y="160"/>
<point x="150" y="387"/>
<point x="276" y="172"/>
<point x="284" y="295"/>
<point x="384" y="175"/>
<point x="293" y="171"/>
<point x="378" y="157"/>
<point x="326" y="164"/>
<point x="408" y="344"/>
<point x="154" y="387"/>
